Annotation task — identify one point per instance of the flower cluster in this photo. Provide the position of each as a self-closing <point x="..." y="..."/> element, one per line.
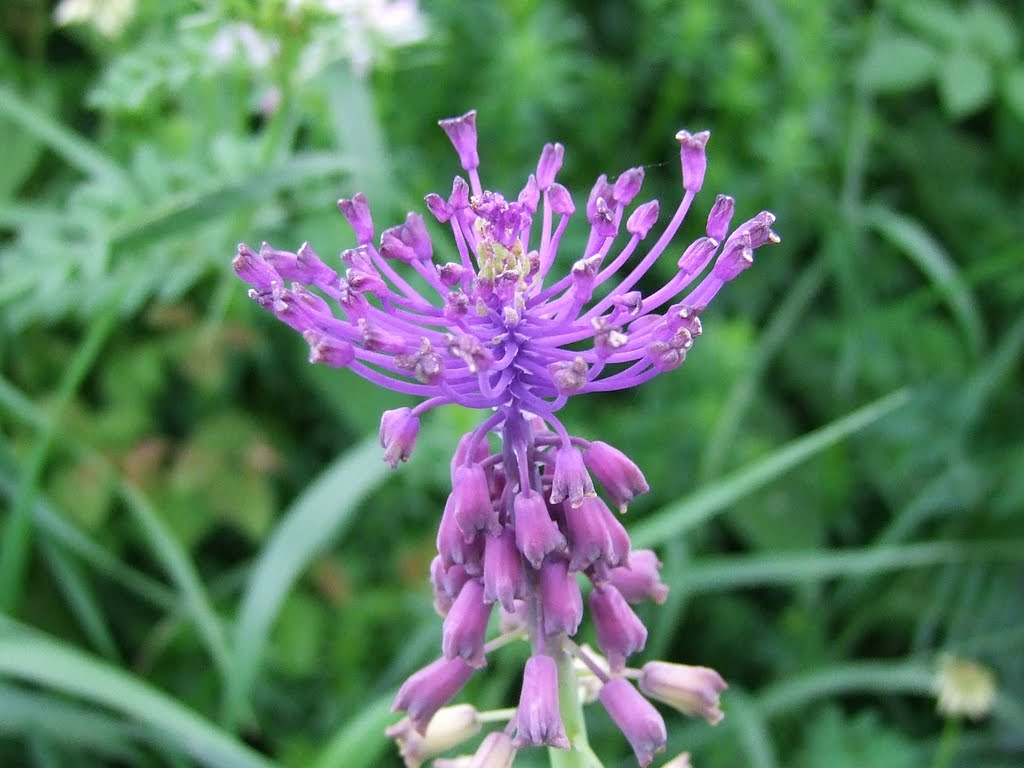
<point x="524" y="518"/>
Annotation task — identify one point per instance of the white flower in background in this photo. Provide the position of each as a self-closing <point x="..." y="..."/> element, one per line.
<point x="964" y="688"/>
<point x="241" y="40"/>
<point x="108" y="16"/>
<point x="363" y="30"/>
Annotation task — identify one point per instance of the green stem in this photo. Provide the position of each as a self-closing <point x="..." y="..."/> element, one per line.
<point x="580" y="755"/>
<point x="946" y="750"/>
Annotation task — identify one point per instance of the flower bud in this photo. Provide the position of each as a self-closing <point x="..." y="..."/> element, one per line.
<point x="719" y="217"/>
<point x="254" y="269"/>
<point x="694" y="691"/>
<point x="621" y="479"/>
<point x="451" y="542"/>
<point x="638" y="720"/>
<point x="448" y="728"/>
<point x="620" y="633"/>
<point x="549" y="165"/>
<point x="503" y="570"/>
<point x="324" y="349"/>
<point x="538" y="719"/>
<point x="627" y="186"/>
<point x="570" y="480"/>
<point x="429" y="689"/>
<point x="560" y="200"/>
<point x="465" y="626"/>
<point x="473" y="508"/>
<point x="358" y="214"/>
<point x="642" y="219"/>
<point x="594" y="535"/>
<point x="697" y="255"/>
<point x="439" y="207"/>
<point x="639" y="580"/>
<point x="561" y="601"/>
<point x="536" y="533"/>
<point x="693" y="157"/>
<point x="398" y="431"/>
<point x="462" y="134"/>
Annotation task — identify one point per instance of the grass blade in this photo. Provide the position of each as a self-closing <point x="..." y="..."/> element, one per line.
<point x="75" y="150"/>
<point x="931" y="258"/>
<point x="81" y="599"/>
<point x="17" y="537"/>
<point x="678" y="518"/>
<point x="308" y="527"/>
<point x="35" y="658"/>
<point x="727" y="572"/>
<point x="196" y="604"/>
<point x="24" y="712"/>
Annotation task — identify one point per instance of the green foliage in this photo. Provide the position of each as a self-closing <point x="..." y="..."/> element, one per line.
<point x="203" y="559"/>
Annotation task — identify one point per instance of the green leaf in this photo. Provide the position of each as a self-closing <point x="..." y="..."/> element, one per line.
<point x="1013" y="90"/>
<point x="702" y="505"/>
<point x="727" y="572"/>
<point x="991" y="31"/>
<point x="934" y="19"/>
<point x="966" y="83"/>
<point x="81" y="727"/>
<point x="179" y="212"/>
<point x="35" y="658"/>
<point x="897" y="65"/>
<point x="931" y="258"/>
<point x="316" y="518"/>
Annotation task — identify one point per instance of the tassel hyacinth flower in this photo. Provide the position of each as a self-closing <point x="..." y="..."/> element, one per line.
<point x="501" y="331"/>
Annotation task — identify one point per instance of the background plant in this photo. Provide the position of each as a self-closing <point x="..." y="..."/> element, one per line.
<point x="201" y="549"/>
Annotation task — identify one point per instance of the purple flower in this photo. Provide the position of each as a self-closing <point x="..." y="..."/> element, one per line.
<point x="465" y="626"/>
<point x="513" y="326"/>
<point x="620" y="478"/>
<point x="694" y="691"/>
<point x="619" y="632"/>
<point x="431" y="688"/>
<point x="538" y="720"/>
<point x="638" y="720"/>
<point x="639" y="580"/>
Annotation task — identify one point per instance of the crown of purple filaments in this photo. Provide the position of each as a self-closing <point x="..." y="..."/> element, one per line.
<point x="495" y="336"/>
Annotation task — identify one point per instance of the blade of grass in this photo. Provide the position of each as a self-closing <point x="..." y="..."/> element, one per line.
<point x="164" y="546"/>
<point x="728" y="572"/>
<point x="676" y="519"/>
<point x="360" y="741"/>
<point x="741" y="395"/>
<point x="56" y="527"/>
<point x="179" y="566"/>
<point x="81" y="600"/>
<point x="307" y="528"/>
<point x="33" y="657"/>
<point x="752" y="730"/>
<point x="17" y="537"/>
<point x="75" y="150"/>
<point x="931" y="258"/>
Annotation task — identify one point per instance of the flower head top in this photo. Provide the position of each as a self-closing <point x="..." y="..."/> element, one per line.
<point x="497" y="334"/>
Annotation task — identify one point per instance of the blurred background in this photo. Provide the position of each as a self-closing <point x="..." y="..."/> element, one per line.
<point x="205" y="561"/>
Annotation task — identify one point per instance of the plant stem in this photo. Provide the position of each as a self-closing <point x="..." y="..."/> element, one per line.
<point x="946" y="750"/>
<point x="580" y="755"/>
